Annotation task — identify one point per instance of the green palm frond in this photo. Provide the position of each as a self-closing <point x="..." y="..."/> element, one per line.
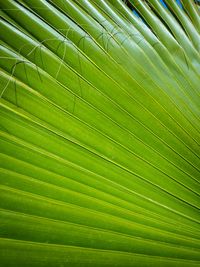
<point x="100" y="133"/>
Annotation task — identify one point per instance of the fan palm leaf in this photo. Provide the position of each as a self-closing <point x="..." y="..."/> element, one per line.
<point x="100" y="133"/>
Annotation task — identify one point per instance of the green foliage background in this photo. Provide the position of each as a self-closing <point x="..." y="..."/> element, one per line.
<point x="100" y="133"/>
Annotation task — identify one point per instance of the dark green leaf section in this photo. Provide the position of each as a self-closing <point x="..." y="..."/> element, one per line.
<point x="100" y="133"/>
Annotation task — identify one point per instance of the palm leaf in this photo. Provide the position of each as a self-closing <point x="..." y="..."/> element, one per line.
<point x="100" y="133"/>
